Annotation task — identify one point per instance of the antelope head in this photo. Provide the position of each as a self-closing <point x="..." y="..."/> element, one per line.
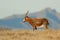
<point x="26" y="17"/>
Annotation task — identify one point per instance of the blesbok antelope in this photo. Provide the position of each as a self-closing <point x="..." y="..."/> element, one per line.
<point x="36" y="22"/>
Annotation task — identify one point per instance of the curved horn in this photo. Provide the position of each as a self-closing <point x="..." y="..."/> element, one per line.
<point x="25" y="16"/>
<point x="27" y="13"/>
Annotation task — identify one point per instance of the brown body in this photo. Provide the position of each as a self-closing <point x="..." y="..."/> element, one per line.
<point x="37" y="22"/>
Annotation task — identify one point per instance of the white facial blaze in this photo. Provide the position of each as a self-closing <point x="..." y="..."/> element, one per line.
<point x="23" y="20"/>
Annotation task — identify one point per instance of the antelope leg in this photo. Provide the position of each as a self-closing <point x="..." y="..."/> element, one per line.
<point x="35" y="28"/>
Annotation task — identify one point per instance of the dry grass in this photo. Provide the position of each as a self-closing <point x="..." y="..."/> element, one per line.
<point x="30" y="35"/>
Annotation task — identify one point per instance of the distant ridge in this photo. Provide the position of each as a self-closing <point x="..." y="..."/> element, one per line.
<point x="15" y="21"/>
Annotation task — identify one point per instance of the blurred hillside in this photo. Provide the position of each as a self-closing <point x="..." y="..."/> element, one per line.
<point x="16" y="21"/>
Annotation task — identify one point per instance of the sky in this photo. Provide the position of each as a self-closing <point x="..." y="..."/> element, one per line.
<point x="11" y="7"/>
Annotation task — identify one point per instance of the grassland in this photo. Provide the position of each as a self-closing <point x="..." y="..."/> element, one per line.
<point x="30" y="35"/>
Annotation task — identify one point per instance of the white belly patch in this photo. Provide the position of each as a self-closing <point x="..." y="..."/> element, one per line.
<point x="40" y="26"/>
